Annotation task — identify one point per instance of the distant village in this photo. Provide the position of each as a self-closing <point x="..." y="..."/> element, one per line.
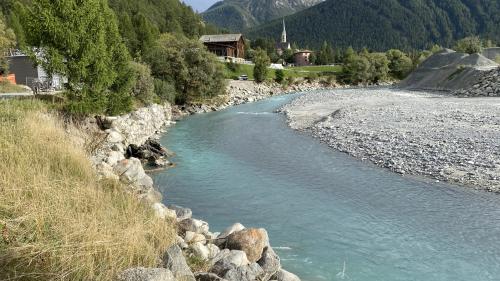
<point x="231" y="47"/>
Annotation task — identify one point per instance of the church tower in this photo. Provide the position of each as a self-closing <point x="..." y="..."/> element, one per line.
<point x="283" y="34"/>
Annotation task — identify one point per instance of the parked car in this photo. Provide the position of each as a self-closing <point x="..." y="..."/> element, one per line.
<point x="243" y="78"/>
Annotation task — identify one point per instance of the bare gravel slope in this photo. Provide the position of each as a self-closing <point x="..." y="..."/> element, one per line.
<point x="441" y="137"/>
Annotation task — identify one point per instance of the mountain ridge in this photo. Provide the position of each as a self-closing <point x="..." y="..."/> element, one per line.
<point x="237" y="15"/>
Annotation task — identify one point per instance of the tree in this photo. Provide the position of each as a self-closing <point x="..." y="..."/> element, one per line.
<point x="357" y="69"/>
<point x="469" y="45"/>
<point x="262" y="62"/>
<point x="326" y="55"/>
<point x="143" y="89"/>
<point x="400" y="64"/>
<point x="7" y="40"/>
<point x="80" y="40"/>
<point x="280" y="76"/>
<point x="379" y="67"/>
<point x="186" y="64"/>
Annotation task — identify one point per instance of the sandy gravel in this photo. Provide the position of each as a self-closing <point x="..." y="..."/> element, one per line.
<point x="412" y="133"/>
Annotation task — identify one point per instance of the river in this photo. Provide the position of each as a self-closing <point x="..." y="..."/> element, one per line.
<point x="324" y="209"/>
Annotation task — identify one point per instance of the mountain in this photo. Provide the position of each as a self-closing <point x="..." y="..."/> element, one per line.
<point x="237" y="15"/>
<point x="385" y="24"/>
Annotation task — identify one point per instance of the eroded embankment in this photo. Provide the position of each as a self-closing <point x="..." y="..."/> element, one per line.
<point x="441" y="137"/>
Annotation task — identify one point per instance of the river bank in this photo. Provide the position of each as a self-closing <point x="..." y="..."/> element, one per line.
<point x="411" y="133"/>
<point x="125" y="144"/>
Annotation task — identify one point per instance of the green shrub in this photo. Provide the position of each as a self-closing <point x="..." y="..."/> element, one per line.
<point x="165" y="90"/>
<point x="262" y="62"/>
<point x="143" y="88"/>
<point x="469" y="45"/>
<point x="280" y="76"/>
<point x="195" y="72"/>
<point x="311" y="77"/>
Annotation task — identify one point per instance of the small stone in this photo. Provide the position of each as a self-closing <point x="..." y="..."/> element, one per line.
<point x="146" y="274"/>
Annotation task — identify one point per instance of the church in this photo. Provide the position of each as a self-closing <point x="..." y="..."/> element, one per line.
<point x="283" y="44"/>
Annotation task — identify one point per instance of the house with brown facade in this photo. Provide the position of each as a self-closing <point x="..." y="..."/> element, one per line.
<point x="225" y="45"/>
<point x="302" y="58"/>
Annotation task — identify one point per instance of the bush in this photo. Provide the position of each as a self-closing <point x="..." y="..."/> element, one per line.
<point x="165" y="90"/>
<point x="279" y="76"/>
<point x="232" y="66"/>
<point x="143" y="88"/>
<point x="57" y="221"/>
<point x="400" y="65"/>
<point x="195" y="72"/>
<point x="469" y="45"/>
<point x="262" y="62"/>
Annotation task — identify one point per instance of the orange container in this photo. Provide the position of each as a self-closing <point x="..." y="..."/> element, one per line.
<point x="11" y="78"/>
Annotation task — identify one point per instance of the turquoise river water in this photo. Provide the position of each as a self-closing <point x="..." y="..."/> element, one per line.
<point x="322" y="208"/>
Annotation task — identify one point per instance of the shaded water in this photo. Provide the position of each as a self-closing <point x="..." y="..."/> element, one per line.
<point x="322" y="208"/>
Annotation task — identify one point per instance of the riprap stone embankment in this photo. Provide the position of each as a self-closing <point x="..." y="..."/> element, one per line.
<point x="236" y="254"/>
<point x="441" y="137"/>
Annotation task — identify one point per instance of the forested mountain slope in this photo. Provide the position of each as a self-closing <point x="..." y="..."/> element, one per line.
<point x="385" y="24"/>
<point x="239" y="14"/>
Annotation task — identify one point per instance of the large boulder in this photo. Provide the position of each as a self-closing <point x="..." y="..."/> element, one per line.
<point x="182" y="213"/>
<point x="193" y="237"/>
<point x="270" y="262"/>
<point x="146" y="274"/>
<point x="252" y="241"/>
<point x="227" y="259"/>
<point x="283" y="275"/>
<point x="174" y="260"/>
<point x="132" y="172"/>
<point x="252" y="272"/>
<point x="194" y="225"/>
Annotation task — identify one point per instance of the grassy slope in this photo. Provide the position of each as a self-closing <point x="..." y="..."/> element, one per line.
<point x="11" y="88"/>
<point x="297" y="72"/>
<point x="57" y="222"/>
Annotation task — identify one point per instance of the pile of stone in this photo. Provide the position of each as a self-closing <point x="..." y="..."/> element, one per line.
<point x="236" y="254"/>
<point x="487" y="86"/>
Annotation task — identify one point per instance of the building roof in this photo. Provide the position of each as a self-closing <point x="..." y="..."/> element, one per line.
<point x="221" y="38"/>
<point x="303" y="51"/>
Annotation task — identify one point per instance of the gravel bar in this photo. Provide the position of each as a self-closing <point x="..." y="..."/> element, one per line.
<point x="441" y="137"/>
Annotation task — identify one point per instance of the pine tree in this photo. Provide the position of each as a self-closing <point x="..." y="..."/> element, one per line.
<point x="80" y="40"/>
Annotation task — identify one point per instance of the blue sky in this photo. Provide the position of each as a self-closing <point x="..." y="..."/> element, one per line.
<point x="200" y="5"/>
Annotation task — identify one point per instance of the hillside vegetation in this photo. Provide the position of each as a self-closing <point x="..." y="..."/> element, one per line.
<point x="386" y="24"/>
<point x="57" y="222"/>
<point x="236" y="15"/>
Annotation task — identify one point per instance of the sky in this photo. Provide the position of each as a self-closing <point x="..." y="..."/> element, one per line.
<point x="200" y="5"/>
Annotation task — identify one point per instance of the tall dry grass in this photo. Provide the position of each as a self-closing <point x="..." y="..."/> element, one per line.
<point x="57" y="222"/>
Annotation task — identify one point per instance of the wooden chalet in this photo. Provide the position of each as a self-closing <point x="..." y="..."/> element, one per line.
<point x="225" y="45"/>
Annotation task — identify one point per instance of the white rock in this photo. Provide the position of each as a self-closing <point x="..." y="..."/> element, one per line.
<point x="233" y="228"/>
<point x="193" y="237"/>
<point x="200" y="250"/>
<point x="214" y="251"/>
<point x="114" y="137"/>
<point x="114" y="157"/>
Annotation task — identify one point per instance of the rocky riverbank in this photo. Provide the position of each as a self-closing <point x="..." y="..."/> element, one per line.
<point x="441" y="137"/>
<point x="240" y="92"/>
<point x="122" y="146"/>
<point x="488" y="85"/>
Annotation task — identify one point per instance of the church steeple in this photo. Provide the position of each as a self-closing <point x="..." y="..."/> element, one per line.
<point x="283" y="34"/>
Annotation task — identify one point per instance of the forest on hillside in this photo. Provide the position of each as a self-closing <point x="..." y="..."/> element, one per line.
<point x="384" y="24"/>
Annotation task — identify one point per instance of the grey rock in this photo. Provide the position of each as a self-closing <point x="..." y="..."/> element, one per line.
<point x="251" y="272"/>
<point x="194" y="225"/>
<point x="270" y="262"/>
<point x="174" y="260"/>
<point x="182" y="213"/>
<point x="200" y="250"/>
<point x="284" y="275"/>
<point x="146" y="274"/>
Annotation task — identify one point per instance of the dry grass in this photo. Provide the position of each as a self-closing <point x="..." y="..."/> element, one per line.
<point x="6" y="87"/>
<point x="57" y="222"/>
